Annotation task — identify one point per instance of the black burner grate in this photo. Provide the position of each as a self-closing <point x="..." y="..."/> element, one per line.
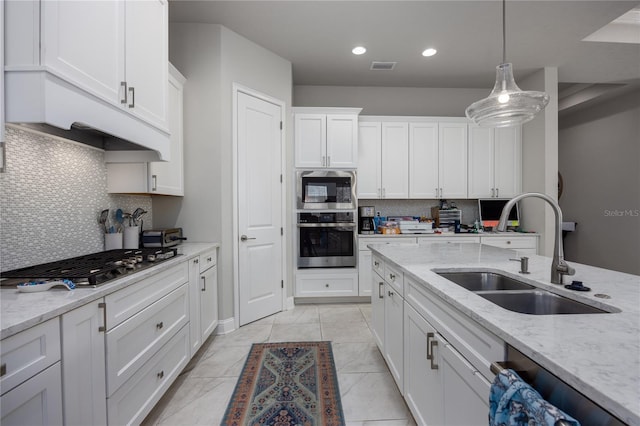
<point x="92" y="269"/>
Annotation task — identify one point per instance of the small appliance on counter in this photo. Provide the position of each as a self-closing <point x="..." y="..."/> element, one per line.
<point x="162" y="237"/>
<point x="366" y="224"/>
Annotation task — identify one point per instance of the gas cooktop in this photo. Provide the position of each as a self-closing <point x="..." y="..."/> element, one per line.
<point x="91" y="270"/>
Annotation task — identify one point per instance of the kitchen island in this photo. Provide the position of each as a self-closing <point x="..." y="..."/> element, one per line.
<point x="597" y="354"/>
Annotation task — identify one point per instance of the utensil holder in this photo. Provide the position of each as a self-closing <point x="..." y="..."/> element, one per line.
<point x="112" y="241"/>
<point x="131" y="237"/>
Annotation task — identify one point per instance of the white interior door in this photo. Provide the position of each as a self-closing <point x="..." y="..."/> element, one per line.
<point x="260" y="273"/>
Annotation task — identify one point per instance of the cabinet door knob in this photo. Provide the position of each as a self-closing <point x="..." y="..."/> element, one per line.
<point x="160" y="325"/>
<point x="326" y="285"/>
<point x="160" y="375"/>
<point x="392" y="277"/>
<point x="376" y="263"/>
<point x="390" y="294"/>
<point x="208" y="259"/>
<point x="196" y="261"/>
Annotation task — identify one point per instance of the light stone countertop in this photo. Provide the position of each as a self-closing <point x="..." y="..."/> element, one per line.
<point x="597" y="354"/>
<point x="19" y="311"/>
<point x="453" y="234"/>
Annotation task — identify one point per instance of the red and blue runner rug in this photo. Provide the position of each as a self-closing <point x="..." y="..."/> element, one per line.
<point x="286" y="384"/>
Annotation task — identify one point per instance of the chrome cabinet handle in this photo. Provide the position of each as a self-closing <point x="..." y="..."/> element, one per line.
<point x="132" y="90"/>
<point x="196" y="261"/>
<point x="124" y="100"/>
<point x="376" y="263"/>
<point x="380" y="292"/>
<point x="160" y="375"/>
<point x="392" y="277"/>
<point x="154" y="185"/>
<point x="3" y="369"/>
<point x="497" y="192"/>
<point x="390" y="294"/>
<point x="245" y="238"/>
<point x="208" y="259"/>
<point x="492" y="193"/>
<point x="160" y="325"/>
<point x="204" y="284"/>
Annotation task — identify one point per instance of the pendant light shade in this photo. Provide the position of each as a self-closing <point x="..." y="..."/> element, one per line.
<point x="506" y="105"/>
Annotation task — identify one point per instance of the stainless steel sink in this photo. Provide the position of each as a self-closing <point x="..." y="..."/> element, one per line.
<point x="485" y="281"/>
<point x="538" y="302"/>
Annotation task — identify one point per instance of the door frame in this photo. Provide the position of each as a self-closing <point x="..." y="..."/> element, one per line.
<point x="236" y="89"/>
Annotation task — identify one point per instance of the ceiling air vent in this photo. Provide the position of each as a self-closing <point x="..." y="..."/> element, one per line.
<point x="382" y="66"/>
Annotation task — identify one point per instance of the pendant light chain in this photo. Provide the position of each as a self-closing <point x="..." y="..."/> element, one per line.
<point x="504" y="32"/>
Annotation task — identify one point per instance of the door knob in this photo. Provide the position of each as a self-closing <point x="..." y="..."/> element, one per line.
<point x="245" y="238"/>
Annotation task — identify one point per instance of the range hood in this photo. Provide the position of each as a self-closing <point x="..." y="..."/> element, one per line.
<point x="38" y="100"/>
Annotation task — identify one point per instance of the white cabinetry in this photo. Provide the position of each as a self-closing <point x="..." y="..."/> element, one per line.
<point x="326" y="282"/>
<point x="412" y="159"/>
<point x="83" y="365"/>
<point x="364" y="258"/>
<point x="495" y="162"/>
<point x="30" y="379"/>
<point x="116" y="50"/>
<point x="377" y="302"/>
<point x="524" y="244"/>
<point x="326" y="137"/>
<point x="100" y="64"/>
<point x="208" y="292"/>
<point x="161" y="178"/>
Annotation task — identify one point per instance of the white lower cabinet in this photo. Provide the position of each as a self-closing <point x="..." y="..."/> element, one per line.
<point x="38" y="401"/>
<point x="377" y="308"/>
<point x="203" y="298"/>
<point x="326" y="282"/>
<point x="422" y="378"/>
<point x="137" y="396"/>
<point x="208" y="301"/>
<point x="393" y="348"/>
<point x="83" y="365"/>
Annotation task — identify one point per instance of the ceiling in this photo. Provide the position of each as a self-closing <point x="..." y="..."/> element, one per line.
<point x="317" y="37"/>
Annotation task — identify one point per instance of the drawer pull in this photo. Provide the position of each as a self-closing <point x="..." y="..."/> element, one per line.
<point x="376" y="263"/>
<point x="508" y="242"/>
<point x="103" y="327"/>
<point x="160" y="375"/>
<point x="392" y="277"/>
<point x="390" y="294"/>
<point x="326" y="285"/>
<point x="208" y="259"/>
<point x="433" y="343"/>
<point x="380" y="292"/>
<point x="160" y="325"/>
<point x="196" y="261"/>
<point x="3" y="369"/>
<point x="429" y="337"/>
<point x="204" y="284"/>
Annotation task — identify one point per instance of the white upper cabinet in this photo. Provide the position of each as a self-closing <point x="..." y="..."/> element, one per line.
<point x="395" y="160"/>
<point x="326" y="137"/>
<point x="423" y="160"/>
<point x="369" y="162"/>
<point x="113" y="49"/>
<point x="495" y="162"/>
<point x="452" y="168"/>
<point x="99" y="64"/>
<point x="160" y="178"/>
<point x="419" y="158"/>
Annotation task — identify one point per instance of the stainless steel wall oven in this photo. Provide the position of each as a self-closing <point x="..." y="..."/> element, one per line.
<point x="327" y="240"/>
<point x="326" y="190"/>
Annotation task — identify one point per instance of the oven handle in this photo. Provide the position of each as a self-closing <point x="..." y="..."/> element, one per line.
<point x="327" y="225"/>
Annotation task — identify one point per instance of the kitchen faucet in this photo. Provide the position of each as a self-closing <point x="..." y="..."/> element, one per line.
<point x="559" y="267"/>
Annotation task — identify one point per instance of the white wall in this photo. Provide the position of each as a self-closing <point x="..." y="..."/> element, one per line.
<point x="212" y="58"/>
<point x="418" y="101"/>
<point x="540" y="159"/>
<point x="599" y="158"/>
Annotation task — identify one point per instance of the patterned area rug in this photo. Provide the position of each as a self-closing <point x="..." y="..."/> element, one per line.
<point x="286" y="384"/>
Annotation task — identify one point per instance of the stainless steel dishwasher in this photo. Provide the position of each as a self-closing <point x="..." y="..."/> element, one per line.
<point x="557" y="392"/>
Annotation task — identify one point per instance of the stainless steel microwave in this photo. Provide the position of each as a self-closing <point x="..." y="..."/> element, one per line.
<point x="326" y="189"/>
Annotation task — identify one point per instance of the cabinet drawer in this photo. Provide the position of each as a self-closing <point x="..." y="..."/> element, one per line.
<point x="207" y="260"/>
<point x="477" y="345"/>
<point x="133" y="342"/>
<point x="29" y="352"/>
<point x="395" y="278"/>
<point x="363" y="242"/>
<point x="326" y="286"/>
<point x="449" y="240"/>
<point x="38" y="401"/>
<point x="135" y="399"/>
<point x="130" y="300"/>
<point x="511" y="242"/>
<point x="377" y="264"/>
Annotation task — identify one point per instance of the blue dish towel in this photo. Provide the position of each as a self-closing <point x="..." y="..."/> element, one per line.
<point x="513" y="402"/>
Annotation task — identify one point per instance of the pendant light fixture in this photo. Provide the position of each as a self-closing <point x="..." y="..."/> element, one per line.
<point x="507" y="105"/>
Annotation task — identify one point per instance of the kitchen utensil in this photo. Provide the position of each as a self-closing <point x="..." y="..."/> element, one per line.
<point x="119" y="219"/>
<point x="34" y="286"/>
<point x="103" y="219"/>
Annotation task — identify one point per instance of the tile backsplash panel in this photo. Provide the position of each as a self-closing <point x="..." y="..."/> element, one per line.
<point x="50" y="198"/>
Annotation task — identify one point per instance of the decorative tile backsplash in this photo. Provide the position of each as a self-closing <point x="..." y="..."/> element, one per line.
<point x="51" y="196"/>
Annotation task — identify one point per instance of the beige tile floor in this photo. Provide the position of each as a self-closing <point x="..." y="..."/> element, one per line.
<point x="201" y="393"/>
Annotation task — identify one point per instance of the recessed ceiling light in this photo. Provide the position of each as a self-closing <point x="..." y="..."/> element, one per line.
<point x="358" y="50"/>
<point x="429" y="52"/>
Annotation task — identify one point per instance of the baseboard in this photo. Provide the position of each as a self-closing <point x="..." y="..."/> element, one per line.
<point x="290" y="304"/>
<point x="226" y="326"/>
<point x="341" y="299"/>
